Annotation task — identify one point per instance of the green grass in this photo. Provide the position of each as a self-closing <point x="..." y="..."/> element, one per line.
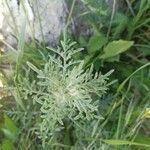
<point x="58" y="101"/>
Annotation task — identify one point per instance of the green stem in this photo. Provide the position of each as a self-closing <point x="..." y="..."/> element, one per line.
<point x="70" y="12"/>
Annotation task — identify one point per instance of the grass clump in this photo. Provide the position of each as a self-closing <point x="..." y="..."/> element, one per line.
<point x="58" y="99"/>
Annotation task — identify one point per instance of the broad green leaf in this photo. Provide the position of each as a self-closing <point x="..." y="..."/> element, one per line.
<point x="9" y="124"/>
<point x="96" y="42"/>
<point x="120" y="22"/>
<point x="113" y="59"/>
<point x="10" y="130"/>
<point x="124" y="142"/>
<point x="116" y="47"/>
<point x="7" y="145"/>
<point x="82" y="41"/>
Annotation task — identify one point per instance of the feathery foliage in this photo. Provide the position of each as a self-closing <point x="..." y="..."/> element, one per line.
<point x="64" y="90"/>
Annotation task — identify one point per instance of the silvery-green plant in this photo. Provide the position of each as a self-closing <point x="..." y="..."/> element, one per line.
<point x="64" y="90"/>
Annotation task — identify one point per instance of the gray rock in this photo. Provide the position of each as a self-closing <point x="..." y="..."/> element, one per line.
<point x="44" y="20"/>
<point x="50" y="19"/>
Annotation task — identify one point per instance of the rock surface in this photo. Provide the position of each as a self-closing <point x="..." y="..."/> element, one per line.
<point x="42" y="20"/>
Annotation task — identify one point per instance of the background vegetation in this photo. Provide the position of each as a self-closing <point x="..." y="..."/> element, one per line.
<point x="62" y="99"/>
